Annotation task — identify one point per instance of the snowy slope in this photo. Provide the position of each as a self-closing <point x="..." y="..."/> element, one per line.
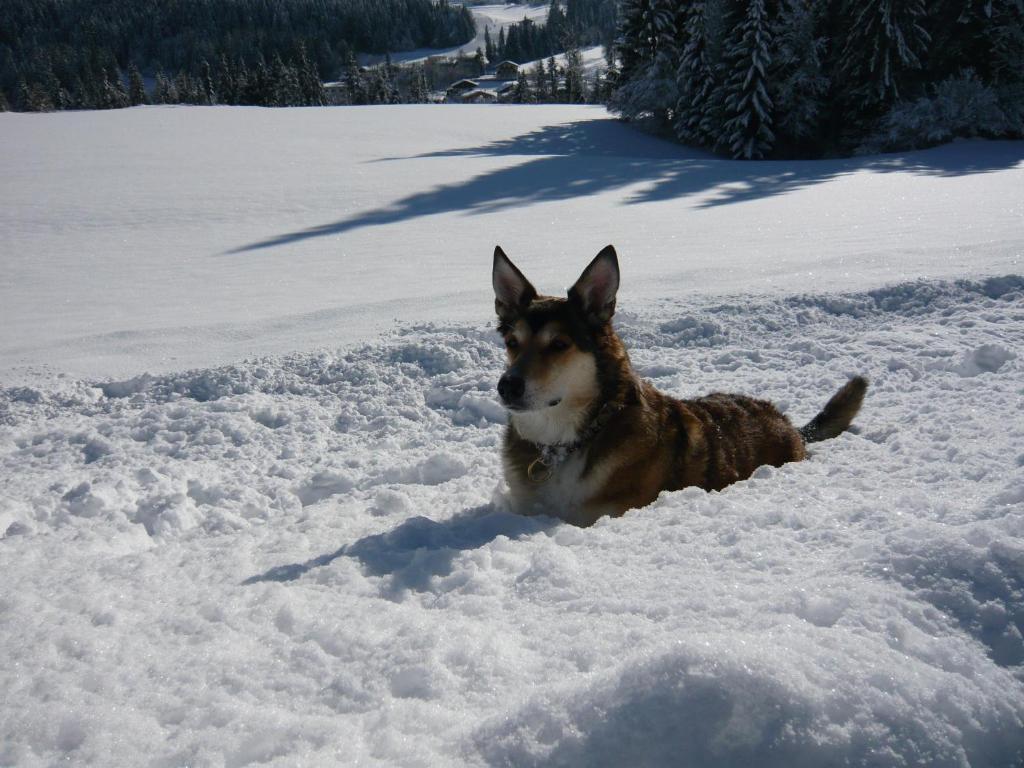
<point x="305" y="557"/>
<point x="493" y="17"/>
<point x="164" y="238"/>
<point x="593" y="60"/>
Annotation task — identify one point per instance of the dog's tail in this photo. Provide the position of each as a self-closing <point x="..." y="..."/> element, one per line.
<point x="838" y="412"/>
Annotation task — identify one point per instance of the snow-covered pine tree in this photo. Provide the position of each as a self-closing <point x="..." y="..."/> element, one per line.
<point x="650" y="87"/>
<point x="310" y="85"/>
<point x="797" y="77"/>
<point x="633" y="48"/>
<point x="114" y="95"/>
<point x="696" y="79"/>
<point x="136" y="88"/>
<point x="390" y="81"/>
<point x="594" y="91"/>
<point x="886" y="39"/>
<point x="224" y="81"/>
<point x="206" y="83"/>
<point x="540" y="83"/>
<point x="241" y="77"/>
<point x="1006" y="35"/>
<point x="575" y="88"/>
<point x="419" y="92"/>
<point x="489" y="45"/>
<point x="161" y="88"/>
<point x="553" y="89"/>
<point x="523" y="93"/>
<point x="747" y="131"/>
<point x="355" y="84"/>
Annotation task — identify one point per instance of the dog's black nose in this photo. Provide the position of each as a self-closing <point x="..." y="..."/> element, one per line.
<point x="511" y="387"/>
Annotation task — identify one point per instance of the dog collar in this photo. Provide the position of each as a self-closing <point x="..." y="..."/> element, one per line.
<point x="551" y="455"/>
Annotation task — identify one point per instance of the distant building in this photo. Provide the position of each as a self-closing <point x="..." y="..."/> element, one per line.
<point x="506" y="70"/>
<point x="479" y="96"/>
<point x="456" y="90"/>
<point x="507" y="92"/>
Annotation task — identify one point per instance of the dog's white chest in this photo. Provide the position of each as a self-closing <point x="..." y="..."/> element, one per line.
<point x="563" y="495"/>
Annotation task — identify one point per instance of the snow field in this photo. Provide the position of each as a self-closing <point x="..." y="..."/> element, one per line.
<point x="307" y="558"/>
<point x="160" y="238"/>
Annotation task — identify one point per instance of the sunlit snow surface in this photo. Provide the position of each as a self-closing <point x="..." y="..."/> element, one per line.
<point x="306" y="558"/>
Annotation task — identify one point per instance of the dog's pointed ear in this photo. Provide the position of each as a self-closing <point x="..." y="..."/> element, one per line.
<point x="594" y="293"/>
<point x="512" y="291"/>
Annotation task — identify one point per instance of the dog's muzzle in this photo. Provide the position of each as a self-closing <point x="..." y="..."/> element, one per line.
<point x="511" y="388"/>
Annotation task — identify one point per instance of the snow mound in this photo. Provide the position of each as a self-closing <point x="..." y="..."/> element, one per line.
<point x="309" y="559"/>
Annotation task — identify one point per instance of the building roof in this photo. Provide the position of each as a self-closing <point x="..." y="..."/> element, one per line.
<point x="478" y="94"/>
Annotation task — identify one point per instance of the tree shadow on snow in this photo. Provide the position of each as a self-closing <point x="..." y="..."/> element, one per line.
<point x="419" y="548"/>
<point x="588" y="157"/>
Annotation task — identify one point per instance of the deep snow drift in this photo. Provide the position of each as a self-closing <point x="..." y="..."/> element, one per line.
<point x="306" y="558"/>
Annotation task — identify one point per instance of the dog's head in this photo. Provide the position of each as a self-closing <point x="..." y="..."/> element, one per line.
<point x="553" y="343"/>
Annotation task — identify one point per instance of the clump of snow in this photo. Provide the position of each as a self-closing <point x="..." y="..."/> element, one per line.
<point x="309" y="559"/>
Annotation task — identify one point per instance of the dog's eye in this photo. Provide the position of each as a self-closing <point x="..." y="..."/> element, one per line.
<point x="512" y="342"/>
<point x="559" y="345"/>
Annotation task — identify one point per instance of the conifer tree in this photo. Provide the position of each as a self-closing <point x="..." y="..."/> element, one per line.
<point x="747" y="132"/>
<point x="552" y="88"/>
<point x="574" y="85"/>
<point x="799" y="85"/>
<point x="886" y="39"/>
<point x="696" y="79"/>
<point x="489" y="51"/>
<point x="136" y="88"/>
<point x="312" y="88"/>
<point x="540" y="83"/>
<point x="164" y="91"/>
<point x="239" y="82"/>
<point x="1004" y="29"/>
<point x="355" y="85"/>
<point x="225" y="82"/>
<point x="419" y="91"/>
<point x="112" y="92"/>
<point x="209" y="91"/>
<point x="523" y="93"/>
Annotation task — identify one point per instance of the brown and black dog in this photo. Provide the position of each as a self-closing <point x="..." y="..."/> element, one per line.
<point x="587" y="437"/>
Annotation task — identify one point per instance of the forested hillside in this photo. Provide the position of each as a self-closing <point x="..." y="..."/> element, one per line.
<point x="759" y="78"/>
<point x="578" y="23"/>
<point x="70" y="53"/>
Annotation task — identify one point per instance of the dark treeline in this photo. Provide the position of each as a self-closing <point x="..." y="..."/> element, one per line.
<point x="763" y="78"/>
<point x="579" y="23"/>
<point x="73" y="53"/>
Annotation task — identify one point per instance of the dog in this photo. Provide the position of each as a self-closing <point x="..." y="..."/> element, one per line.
<point x="586" y="437"/>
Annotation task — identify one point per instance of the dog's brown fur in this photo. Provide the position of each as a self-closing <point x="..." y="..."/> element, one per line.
<point x="639" y="441"/>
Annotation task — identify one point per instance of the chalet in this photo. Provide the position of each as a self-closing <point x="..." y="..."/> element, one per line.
<point x="479" y="96"/>
<point x="506" y="70"/>
<point x="457" y="90"/>
<point x="507" y="93"/>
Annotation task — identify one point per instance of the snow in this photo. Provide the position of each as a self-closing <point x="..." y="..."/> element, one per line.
<point x="248" y="517"/>
<point x="592" y="56"/>
<point x="160" y="238"/>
